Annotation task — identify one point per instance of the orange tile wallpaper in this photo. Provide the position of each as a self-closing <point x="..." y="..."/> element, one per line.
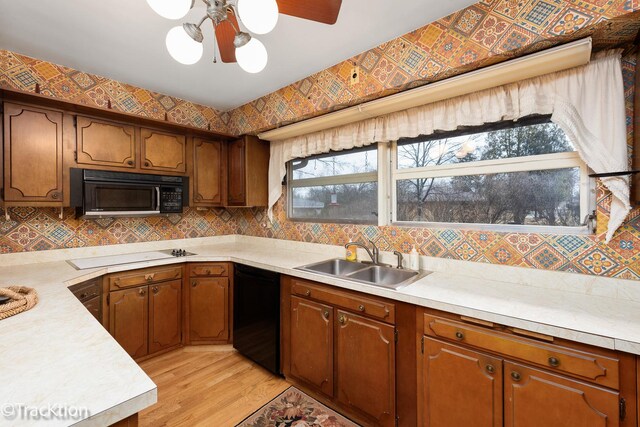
<point x="485" y="33"/>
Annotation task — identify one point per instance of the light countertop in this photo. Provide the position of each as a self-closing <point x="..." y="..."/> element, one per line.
<point x="58" y="354"/>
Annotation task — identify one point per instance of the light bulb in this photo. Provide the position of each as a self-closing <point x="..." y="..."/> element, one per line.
<point x="170" y="9"/>
<point x="252" y="57"/>
<point x="469" y="146"/>
<point x="183" y="48"/>
<point x="259" y="16"/>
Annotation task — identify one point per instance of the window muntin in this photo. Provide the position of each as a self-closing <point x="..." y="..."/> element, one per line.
<point x="335" y="187"/>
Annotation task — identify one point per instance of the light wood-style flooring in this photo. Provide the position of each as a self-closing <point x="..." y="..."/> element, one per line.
<point x="207" y="386"/>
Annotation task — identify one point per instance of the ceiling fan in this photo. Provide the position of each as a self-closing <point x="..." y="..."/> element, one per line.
<point x="257" y="16"/>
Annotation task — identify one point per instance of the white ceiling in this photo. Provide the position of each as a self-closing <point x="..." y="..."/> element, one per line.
<point x="124" y="40"/>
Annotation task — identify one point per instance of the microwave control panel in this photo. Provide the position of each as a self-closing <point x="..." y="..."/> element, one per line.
<point x="171" y="199"/>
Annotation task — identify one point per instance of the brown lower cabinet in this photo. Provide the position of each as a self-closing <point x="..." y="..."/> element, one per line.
<point x="146" y="319"/>
<point x="207" y="303"/>
<point x="347" y="357"/>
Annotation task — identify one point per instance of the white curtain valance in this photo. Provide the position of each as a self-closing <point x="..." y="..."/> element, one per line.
<point x="587" y="102"/>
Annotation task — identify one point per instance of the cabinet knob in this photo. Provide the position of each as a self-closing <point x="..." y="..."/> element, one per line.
<point x="194" y="284"/>
<point x="516" y="376"/>
<point x="83" y="296"/>
<point x="207" y="272"/>
<point x="490" y="368"/>
<point x="361" y="307"/>
<point x="130" y="162"/>
<point x="146" y="164"/>
<point x="142" y="292"/>
<point x="326" y="314"/>
<point x="155" y="289"/>
<point x="307" y="293"/>
<point x="342" y="319"/>
<point x="459" y="335"/>
<point x="554" y="362"/>
<point x="55" y="196"/>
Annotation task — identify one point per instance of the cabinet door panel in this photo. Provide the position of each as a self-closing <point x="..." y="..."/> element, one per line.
<point x="32" y="154"/>
<point x="165" y="315"/>
<point x="209" y="309"/>
<point x="129" y="320"/>
<point x="365" y="360"/>
<point x="105" y="143"/>
<point x="311" y="341"/>
<point x="163" y="151"/>
<point x="208" y="170"/>
<point x="237" y="173"/>
<point x="461" y="387"/>
<point x="534" y="398"/>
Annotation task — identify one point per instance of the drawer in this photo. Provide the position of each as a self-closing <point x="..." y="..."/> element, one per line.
<point x="359" y="304"/>
<point x="94" y="306"/>
<point x="588" y="366"/>
<point x="208" y="270"/>
<point x="87" y="290"/>
<point x="143" y="277"/>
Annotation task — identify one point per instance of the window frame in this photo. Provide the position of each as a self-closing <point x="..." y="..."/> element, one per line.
<point x="353" y="178"/>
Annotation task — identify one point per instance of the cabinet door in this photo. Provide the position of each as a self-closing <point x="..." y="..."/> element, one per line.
<point x="32" y="154"/>
<point x="460" y="387"/>
<point x="209" y="309"/>
<point x="163" y="151"/>
<point x="365" y="362"/>
<point x="208" y="173"/>
<point x="311" y="344"/>
<point x="237" y="173"/>
<point x="129" y="319"/>
<point x="165" y="315"/>
<point x="105" y="143"/>
<point x="534" y="398"/>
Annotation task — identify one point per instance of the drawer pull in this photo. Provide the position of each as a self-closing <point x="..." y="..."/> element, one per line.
<point x="554" y="362"/>
<point x="516" y="376"/>
<point x="361" y="307"/>
<point x="326" y="314"/>
<point x="142" y="292"/>
<point x="459" y="335"/>
<point x="194" y="284"/>
<point x="342" y="319"/>
<point x="207" y="272"/>
<point x="307" y="293"/>
<point x="491" y="369"/>
<point x="83" y="295"/>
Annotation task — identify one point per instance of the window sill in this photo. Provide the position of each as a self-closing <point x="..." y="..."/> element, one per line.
<point x="499" y="228"/>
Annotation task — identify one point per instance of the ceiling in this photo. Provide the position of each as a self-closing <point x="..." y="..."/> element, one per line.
<point x="124" y="41"/>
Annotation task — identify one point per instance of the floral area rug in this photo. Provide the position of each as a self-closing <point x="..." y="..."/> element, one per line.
<point x="293" y="408"/>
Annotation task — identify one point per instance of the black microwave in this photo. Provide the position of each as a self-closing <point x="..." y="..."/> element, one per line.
<point x="96" y="193"/>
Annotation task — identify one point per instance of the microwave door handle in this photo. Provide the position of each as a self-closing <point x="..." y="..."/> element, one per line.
<point x="158" y="200"/>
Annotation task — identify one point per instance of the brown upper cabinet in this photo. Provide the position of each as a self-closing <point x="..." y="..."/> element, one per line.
<point x="209" y="172"/>
<point x="248" y="171"/>
<point x="105" y="143"/>
<point x="33" y="153"/>
<point x="163" y="151"/>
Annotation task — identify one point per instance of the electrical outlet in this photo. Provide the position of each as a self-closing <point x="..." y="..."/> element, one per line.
<point x="354" y="77"/>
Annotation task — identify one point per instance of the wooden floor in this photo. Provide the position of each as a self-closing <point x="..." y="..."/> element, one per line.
<point x="207" y="386"/>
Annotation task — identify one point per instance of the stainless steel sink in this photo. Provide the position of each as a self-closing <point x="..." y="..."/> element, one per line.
<point x="334" y="267"/>
<point x="377" y="275"/>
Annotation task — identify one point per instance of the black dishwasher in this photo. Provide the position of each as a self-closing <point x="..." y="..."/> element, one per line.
<point x="256" y="316"/>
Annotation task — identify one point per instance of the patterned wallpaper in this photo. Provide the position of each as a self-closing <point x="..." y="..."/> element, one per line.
<point x="483" y="34"/>
<point x="480" y="35"/>
<point x="23" y="73"/>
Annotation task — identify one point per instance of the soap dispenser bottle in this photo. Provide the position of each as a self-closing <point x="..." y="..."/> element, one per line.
<point x="414" y="259"/>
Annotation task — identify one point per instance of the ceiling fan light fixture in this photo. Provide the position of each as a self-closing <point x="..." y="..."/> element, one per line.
<point x="182" y="47"/>
<point x="252" y="57"/>
<point x="259" y="16"/>
<point x="241" y="39"/>
<point x="193" y="31"/>
<point x="171" y="9"/>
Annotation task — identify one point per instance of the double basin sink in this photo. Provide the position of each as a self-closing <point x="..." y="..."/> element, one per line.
<point x="370" y="274"/>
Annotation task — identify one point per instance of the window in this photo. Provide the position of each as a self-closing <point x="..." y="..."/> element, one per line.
<point x="335" y="187"/>
<point x="519" y="176"/>
<point x="523" y="173"/>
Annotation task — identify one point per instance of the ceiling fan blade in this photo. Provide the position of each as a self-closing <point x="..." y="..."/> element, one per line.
<point x="325" y="11"/>
<point x="225" y="34"/>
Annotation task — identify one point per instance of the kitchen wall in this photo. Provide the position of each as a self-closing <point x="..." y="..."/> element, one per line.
<point x="480" y="35"/>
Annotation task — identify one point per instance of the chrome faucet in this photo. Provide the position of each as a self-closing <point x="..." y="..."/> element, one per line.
<point x="374" y="254"/>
